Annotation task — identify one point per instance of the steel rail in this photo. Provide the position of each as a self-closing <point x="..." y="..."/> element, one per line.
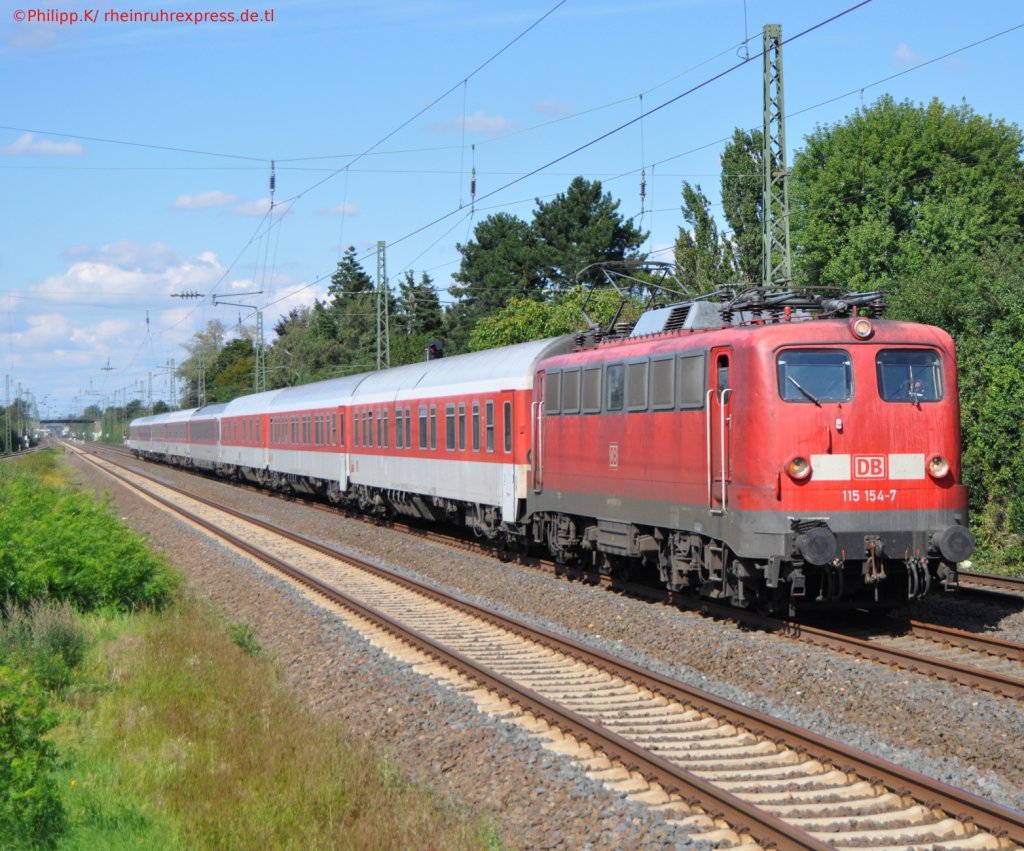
<point x="958" y="803"/>
<point x="744" y="818"/>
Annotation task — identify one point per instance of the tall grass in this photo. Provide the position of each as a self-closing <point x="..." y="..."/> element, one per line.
<point x="201" y="730"/>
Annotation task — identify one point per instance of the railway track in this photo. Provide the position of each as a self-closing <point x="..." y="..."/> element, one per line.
<point x="744" y="778"/>
<point x="968" y="659"/>
<point x="990" y="583"/>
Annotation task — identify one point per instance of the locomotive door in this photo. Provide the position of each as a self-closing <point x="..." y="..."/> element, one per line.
<point x="537" y="433"/>
<point x="718" y="420"/>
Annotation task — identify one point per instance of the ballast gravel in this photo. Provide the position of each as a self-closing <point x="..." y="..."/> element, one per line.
<point x="966" y="738"/>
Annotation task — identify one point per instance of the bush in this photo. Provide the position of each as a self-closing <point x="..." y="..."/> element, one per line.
<point x="62" y="545"/>
<point x="48" y="638"/>
<point x="31" y="813"/>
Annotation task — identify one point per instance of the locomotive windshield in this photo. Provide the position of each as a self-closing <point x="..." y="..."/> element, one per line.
<point x="909" y="375"/>
<point x="815" y="375"/>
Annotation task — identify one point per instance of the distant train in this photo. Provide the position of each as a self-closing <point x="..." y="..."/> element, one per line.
<point x="777" y="452"/>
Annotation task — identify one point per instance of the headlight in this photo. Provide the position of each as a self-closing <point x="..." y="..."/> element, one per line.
<point x="938" y="467"/>
<point x="798" y="468"/>
<point x="861" y="328"/>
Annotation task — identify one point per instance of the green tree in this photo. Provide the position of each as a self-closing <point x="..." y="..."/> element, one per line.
<point x="202" y="349"/>
<point x="579" y="227"/>
<point x="741" y="199"/>
<point x="525" y="319"/>
<point x="500" y="262"/>
<point x="352" y="314"/>
<point x="417" y="319"/>
<point x="879" y="194"/>
<point x="704" y="259"/>
<point x="232" y="373"/>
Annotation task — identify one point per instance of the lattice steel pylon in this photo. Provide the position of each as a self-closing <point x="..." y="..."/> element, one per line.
<point x="260" y="377"/>
<point x="775" y="257"/>
<point x="383" y="322"/>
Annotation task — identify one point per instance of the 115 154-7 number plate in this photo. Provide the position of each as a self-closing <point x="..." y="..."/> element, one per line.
<point x="870" y="495"/>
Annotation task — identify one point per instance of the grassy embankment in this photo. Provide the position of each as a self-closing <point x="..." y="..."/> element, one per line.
<point x="131" y="717"/>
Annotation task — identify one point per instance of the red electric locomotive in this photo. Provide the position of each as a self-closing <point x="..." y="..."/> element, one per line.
<point x="776" y="451"/>
<point x="783" y="454"/>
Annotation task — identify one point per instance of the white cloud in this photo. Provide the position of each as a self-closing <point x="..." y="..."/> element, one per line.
<point x="33" y="38"/>
<point x="552" y="106"/>
<point x="345" y="208"/>
<point x="126" y="272"/>
<point x="478" y="122"/>
<point x="261" y="207"/>
<point x="903" y="55"/>
<point x="26" y="145"/>
<point x="204" y="200"/>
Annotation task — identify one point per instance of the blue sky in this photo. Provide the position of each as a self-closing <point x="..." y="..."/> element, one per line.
<point x="136" y="156"/>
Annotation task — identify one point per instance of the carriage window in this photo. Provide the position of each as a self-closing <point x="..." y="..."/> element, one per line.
<point x="423" y="426"/>
<point x="408" y="427"/>
<point x="553" y="393"/>
<point x="592" y="390"/>
<point x="489" y="425"/>
<point x="636" y="386"/>
<point x="387" y="428"/>
<point x="662" y="387"/>
<point x="433" y="426"/>
<point x="462" y="426"/>
<point x="909" y="375"/>
<point x="295" y="430"/>
<point x="571" y="391"/>
<point x="398" y="428"/>
<point x="507" y="411"/>
<point x="341" y="429"/>
<point x="815" y="375"/>
<point x="476" y="426"/>
<point x="616" y="391"/>
<point x="449" y="426"/>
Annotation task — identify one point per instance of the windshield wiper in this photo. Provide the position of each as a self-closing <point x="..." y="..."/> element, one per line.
<point x="804" y="390"/>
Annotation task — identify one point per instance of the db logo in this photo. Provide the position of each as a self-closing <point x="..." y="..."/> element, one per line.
<point x="869" y="466"/>
<point x="613" y="456"/>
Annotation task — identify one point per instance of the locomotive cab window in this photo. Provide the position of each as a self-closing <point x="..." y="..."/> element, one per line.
<point x="814" y="376"/>
<point x="909" y="375"/>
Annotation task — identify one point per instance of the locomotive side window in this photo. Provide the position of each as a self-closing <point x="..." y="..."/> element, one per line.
<point x="571" y="391"/>
<point x="662" y="387"/>
<point x="909" y="375"/>
<point x="592" y="390"/>
<point x="636" y="386"/>
<point x="815" y="375"/>
<point x="616" y="387"/>
<point x="691" y="377"/>
<point x="552" y="392"/>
